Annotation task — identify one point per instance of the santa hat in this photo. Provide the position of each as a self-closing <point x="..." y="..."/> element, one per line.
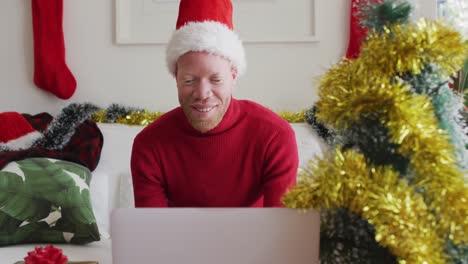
<point x="205" y="25"/>
<point x="15" y="132"/>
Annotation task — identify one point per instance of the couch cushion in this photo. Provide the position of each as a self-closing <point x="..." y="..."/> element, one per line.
<point x="46" y="200"/>
<point x="115" y="161"/>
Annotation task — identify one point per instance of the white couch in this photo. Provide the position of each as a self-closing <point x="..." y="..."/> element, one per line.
<point x="111" y="188"/>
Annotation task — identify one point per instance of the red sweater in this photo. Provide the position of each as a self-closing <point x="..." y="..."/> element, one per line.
<point x="249" y="159"/>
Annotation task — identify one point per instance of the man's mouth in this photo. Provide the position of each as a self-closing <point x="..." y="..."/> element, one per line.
<point x="204" y="109"/>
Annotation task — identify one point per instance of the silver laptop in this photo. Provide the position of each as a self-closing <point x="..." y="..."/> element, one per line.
<point x="215" y="235"/>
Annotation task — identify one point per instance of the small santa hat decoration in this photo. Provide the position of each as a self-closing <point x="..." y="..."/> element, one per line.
<point x="15" y="132"/>
<point x="206" y="25"/>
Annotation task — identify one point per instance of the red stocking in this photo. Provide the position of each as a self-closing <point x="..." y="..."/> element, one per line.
<point x="50" y="71"/>
<point x="356" y="32"/>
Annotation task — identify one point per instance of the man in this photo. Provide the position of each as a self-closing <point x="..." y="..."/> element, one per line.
<point x="213" y="150"/>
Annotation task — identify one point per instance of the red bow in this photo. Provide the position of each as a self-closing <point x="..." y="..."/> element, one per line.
<point x="46" y="255"/>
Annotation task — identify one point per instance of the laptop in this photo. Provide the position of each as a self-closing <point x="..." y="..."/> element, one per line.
<point x="215" y="235"/>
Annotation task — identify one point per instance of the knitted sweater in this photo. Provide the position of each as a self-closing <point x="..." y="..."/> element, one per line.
<point x="249" y="159"/>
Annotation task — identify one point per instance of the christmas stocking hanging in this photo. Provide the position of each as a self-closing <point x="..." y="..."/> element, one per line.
<point x="50" y="70"/>
<point x="356" y="32"/>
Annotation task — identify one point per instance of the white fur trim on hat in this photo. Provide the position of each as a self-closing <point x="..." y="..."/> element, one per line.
<point x="23" y="142"/>
<point x="209" y="36"/>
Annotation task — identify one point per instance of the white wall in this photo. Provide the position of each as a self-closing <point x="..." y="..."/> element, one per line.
<point x="279" y="76"/>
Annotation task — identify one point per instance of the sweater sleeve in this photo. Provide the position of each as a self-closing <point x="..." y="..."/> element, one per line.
<point x="280" y="167"/>
<point x="148" y="183"/>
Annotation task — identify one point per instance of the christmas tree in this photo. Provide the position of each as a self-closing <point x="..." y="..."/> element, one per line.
<point x="392" y="189"/>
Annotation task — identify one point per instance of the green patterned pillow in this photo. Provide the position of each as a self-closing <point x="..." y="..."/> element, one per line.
<point x="46" y="201"/>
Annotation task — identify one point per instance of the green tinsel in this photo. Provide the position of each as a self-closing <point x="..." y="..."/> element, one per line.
<point x="348" y="238"/>
<point x="458" y="254"/>
<point x="369" y="136"/>
<point x="372" y="139"/>
<point x="116" y="111"/>
<point x="62" y="128"/>
<point x="429" y="81"/>
<point x="448" y="107"/>
<point x="378" y="16"/>
<point x="328" y="135"/>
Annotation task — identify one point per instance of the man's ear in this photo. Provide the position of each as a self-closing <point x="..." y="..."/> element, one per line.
<point x="234" y="74"/>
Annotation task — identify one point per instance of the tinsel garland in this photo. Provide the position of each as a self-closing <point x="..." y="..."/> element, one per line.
<point x="388" y="105"/>
<point x="116" y="111"/>
<point x="448" y="108"/>
<point x="133" y="118"/>
<point x="458" y="254"/>
<point x="347" y="237"/>
<point x="410" y="47"/>
<point x="327" y="134"/>
<point x="429" y="81"/>
<point x="293" y="117"/>
<point x="401" y="219"/>
<point x="356" y="89"/>
<point x="369" y="136"/>
<point x="413" y="126"/>
<point x="119" y="114"/>
<point x="378" y="16"/>
<point x="62" y="127"/>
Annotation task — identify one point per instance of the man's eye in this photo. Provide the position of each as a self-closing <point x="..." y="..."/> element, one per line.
<point x="188" y="82"/>
<point x="216" y="80"/>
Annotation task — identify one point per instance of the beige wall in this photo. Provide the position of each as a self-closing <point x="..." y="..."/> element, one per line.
<point x="279" y="76"/>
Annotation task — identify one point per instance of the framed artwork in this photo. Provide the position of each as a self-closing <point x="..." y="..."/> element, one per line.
<point x="257" y="21"/>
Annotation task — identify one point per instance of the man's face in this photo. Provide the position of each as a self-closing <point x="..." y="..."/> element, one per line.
<point x="204" y="83"/>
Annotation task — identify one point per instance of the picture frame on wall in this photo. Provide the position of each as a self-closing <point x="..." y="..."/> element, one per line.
<point x="256" y="21"/>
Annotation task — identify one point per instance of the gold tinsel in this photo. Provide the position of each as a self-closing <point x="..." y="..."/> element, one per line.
<point x="399" y="215"/>
<point x="413" y="125"/>
<point x="99" y="116"/>
<point x="293" y="117"/>
<point x="144" y="117"/>
<point x="348" y="90"/>
<point x="140" y="118"/>
<point x="409" y="47"/>
<point x="362" y="88"/>
<point x="135" y="118"/>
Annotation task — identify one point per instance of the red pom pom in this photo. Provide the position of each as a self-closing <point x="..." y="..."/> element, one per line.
<point x="47" y="255"/>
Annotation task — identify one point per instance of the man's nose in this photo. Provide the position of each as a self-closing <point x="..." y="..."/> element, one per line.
<point x="202" y="90"/>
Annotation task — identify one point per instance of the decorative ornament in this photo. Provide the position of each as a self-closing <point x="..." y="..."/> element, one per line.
<point x="46" y="255"/>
